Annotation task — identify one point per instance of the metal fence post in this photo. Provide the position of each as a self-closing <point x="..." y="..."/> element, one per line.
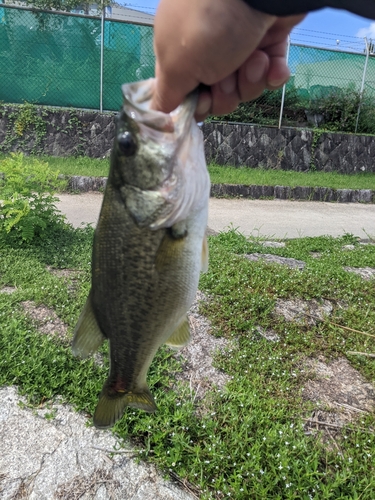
<point x="101" y="60"/>
<point x="284" y="86"/>
<point x="363" y="82"/>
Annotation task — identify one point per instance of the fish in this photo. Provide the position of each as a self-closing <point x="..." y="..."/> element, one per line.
<point x="149" y="247"/>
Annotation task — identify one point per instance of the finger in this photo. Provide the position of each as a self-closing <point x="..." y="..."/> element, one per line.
<point x="225" y="97"/>
<point x="280" y="30"/>
<point x="278" y="73"/>
<point x="204" y="106"/>
<point x="171" y="89"/>
<point x="252" y="76"/>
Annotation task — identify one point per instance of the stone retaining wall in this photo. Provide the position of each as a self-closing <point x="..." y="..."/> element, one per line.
<point x="91" y="133"/>
<point x="288" y="148"/>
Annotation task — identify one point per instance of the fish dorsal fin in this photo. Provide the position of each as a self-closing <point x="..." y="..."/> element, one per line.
<point x="87" y="333"/>
<point x="111" y="408"/>
<point x="204" y="264"/>
<point x="181" y="336"/>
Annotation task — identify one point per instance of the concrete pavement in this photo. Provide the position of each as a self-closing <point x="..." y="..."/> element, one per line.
<point x="268" y="218"/>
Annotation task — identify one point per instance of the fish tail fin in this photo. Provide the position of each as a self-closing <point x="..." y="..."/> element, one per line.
<point x="87" y="334"/>
<point x="111" y="407"/>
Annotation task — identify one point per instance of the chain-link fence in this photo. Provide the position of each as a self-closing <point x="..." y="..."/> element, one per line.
<point x="61" y="59"/>
<point x="328" y="88"/>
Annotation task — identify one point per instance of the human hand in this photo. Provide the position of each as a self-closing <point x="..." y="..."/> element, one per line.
<point x="227" y="45"/>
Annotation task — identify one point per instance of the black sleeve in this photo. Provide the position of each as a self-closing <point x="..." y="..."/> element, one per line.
<point x="365" y="8"/>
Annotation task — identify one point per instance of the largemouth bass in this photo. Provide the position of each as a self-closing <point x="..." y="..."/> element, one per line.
<point x="149" y="247"/>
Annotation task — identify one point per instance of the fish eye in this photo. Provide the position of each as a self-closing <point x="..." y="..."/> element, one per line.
<point x="127" y="143"/>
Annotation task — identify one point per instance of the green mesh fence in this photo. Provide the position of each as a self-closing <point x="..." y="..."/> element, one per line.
<point x="324" y="90"/>
<point x="54" y="59"/>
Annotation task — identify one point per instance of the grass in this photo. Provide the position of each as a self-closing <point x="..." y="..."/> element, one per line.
<point x="263" y="177"/>
<point x="251" y="442"/>
<point x="228" y="175"/>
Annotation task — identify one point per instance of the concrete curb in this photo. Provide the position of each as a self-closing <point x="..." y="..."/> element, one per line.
<point x="85" y="184"/>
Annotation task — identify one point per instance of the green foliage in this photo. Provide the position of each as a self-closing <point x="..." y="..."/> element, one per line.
<point x="247" y="440"/>
<point x="27" y="187"/>
<point x="338" y="107"/>
<point x="62" y="5"/>
<point x="24" y="122"/>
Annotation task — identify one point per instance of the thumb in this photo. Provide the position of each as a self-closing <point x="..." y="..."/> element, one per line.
<point x="170" y="90"/>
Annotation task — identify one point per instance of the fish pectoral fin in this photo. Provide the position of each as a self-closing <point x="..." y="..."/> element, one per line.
<point x="204" y="264"/>
<point x="145" y="206"/>
<point x="180" y="337"/>
<point x="87" y="333"/>
<point x="111" y="408"/>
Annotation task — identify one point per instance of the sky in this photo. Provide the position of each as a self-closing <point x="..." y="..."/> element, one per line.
<point x="327" y="28"/>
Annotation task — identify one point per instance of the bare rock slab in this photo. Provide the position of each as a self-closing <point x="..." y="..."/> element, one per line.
<point x="275" y="259"/>
<point x="338" y="386"/>
<point x="307" y="312"/>
<point x="366" y="273"/>
<point x="273" y="244"/>
<point x="62" y="458"/>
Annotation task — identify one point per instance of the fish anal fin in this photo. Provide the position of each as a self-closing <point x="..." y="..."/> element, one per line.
<point x="87" y="333"/>
<point x="204" y="264"/>
<point x="180" y="337"/>
<point x="111" y="408"/>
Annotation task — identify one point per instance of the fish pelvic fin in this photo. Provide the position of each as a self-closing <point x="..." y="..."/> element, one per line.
<point x="204" y="264"/>
<point x="181" y="336"/>
<point x="87" y="333"/>
<point x="111" y="408"/>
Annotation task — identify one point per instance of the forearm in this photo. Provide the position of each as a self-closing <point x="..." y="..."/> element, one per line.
<point x="364" y="8"/>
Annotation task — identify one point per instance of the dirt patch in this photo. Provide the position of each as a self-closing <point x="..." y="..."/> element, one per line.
<point x="70" y="276"/>
<point x="316" y="255"/>
<point x="366" y="273"/>
<point x="268" y="334"/>
<point x="8" y="289"/>
<point x="275" y="259"/>
<point x="45" y="319"/>
<point x="307" y="312"/>
<point x="197" y="357"/>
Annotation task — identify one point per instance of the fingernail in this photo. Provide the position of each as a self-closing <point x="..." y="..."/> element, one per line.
<point x="228" y="85"/>
<point x="277" y="83"/>
<point x="204" y="104"/>
<point x="255" y="69"/>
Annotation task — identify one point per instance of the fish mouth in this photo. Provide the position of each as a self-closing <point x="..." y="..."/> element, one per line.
<point x="137" y="100"/>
